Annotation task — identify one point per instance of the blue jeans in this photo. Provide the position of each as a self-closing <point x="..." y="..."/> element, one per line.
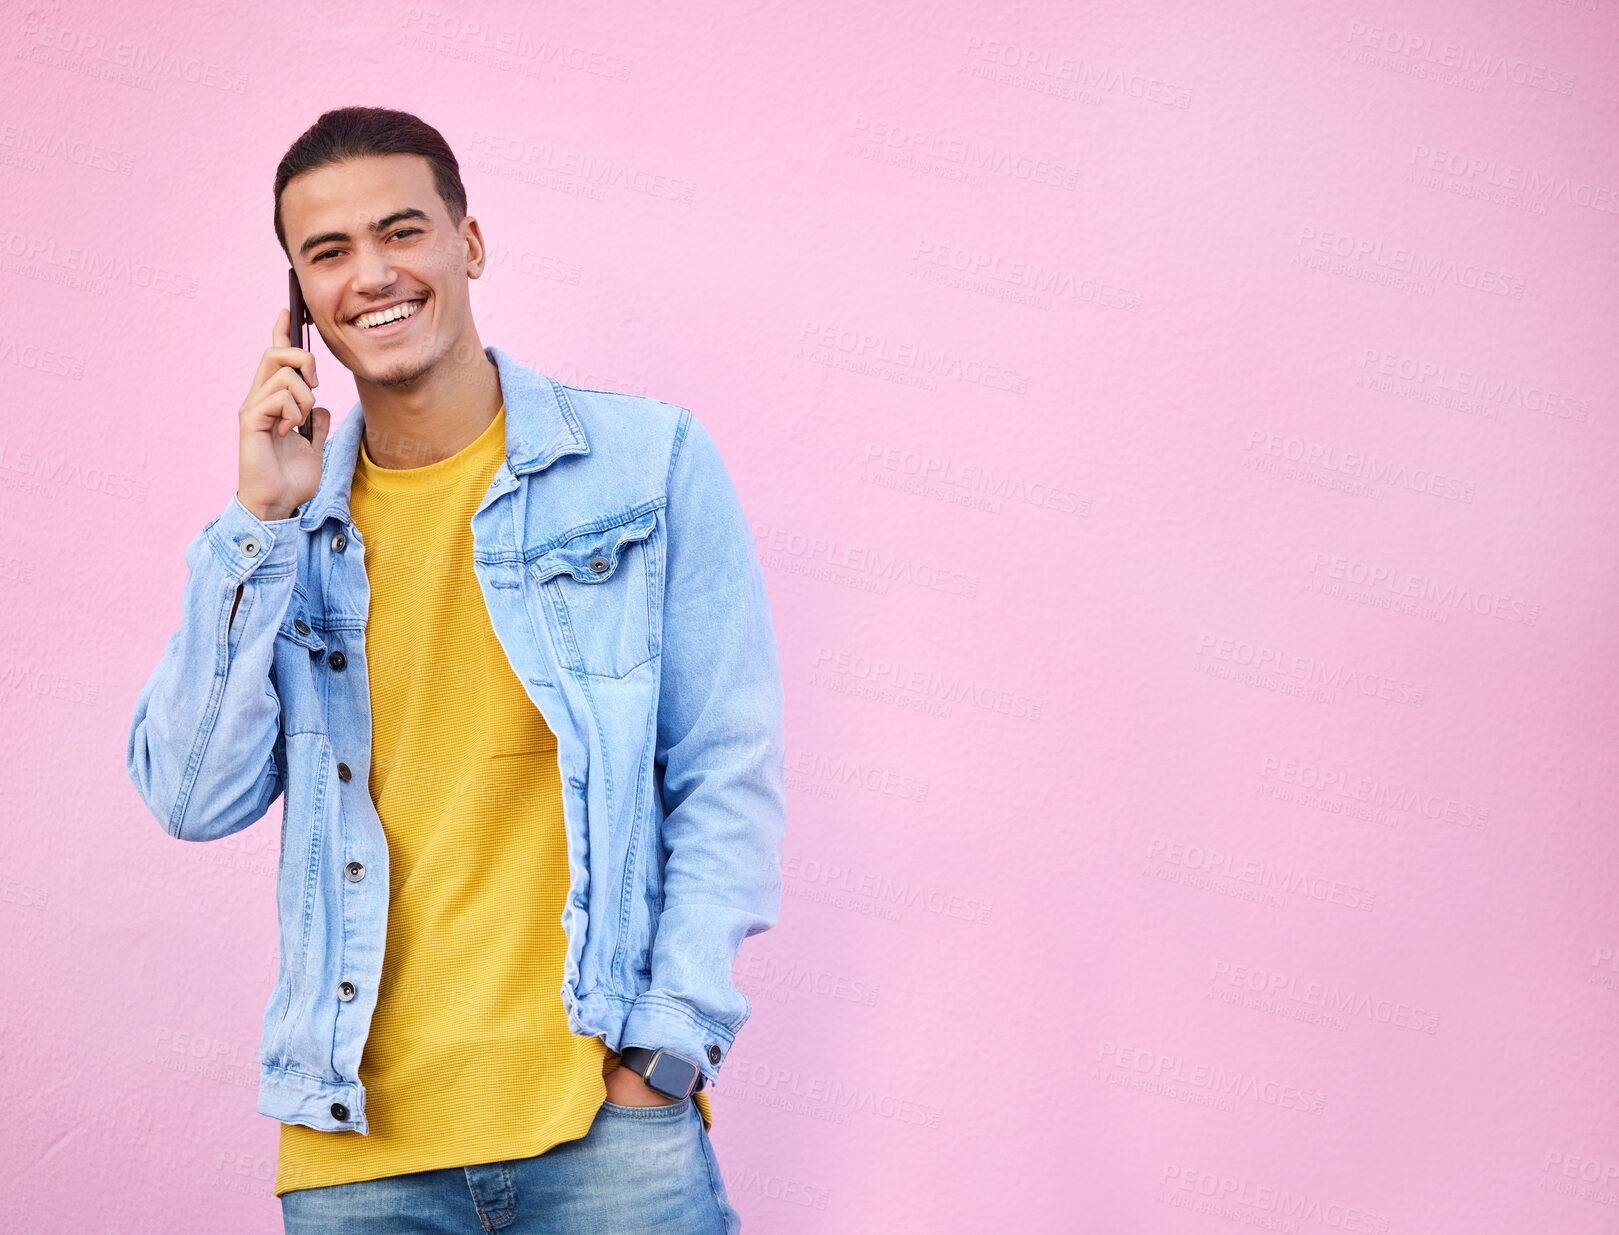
<point x="640" y="1170"/>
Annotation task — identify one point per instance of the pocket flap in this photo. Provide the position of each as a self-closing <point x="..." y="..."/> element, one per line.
<point x="521" y="744"/>
<point x="592" y="556"/>
<point x="308" y="636"/>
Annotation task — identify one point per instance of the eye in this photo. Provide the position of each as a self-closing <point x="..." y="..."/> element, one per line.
<point x="318" y="256"/>
<point x="405" y="231"/>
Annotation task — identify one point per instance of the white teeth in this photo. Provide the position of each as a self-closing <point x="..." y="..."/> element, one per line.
<point x="386" y="315"/>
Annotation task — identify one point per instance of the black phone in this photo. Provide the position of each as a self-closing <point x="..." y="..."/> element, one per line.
<point x="300" y="320"/>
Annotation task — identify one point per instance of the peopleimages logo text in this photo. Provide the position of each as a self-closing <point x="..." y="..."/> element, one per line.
<point x="1325" y="995"/>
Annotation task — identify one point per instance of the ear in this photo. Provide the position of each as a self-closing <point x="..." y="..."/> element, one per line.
<point x="472" y="236"/>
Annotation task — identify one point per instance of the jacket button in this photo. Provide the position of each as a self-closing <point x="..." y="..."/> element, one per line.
<point x="337" y="660"/>
<point x="345" y="991"/>
<point x="250" y="546"/>
<point x="355" y="871"/>
<point x="343" y="772"/>
<point x="339" y="542"/>
<point x="339" y="1111"/>
<point x="301" y="626"/>
<point x="713" y="1053"/>
<point x="579" y="901"/>
<point x="599" y="563"/>
<point x="576" y="782"/>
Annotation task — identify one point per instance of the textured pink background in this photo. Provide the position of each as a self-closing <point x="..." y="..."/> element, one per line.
<point x="1200" y="679"/>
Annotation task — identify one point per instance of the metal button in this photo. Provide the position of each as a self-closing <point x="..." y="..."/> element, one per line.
<point x="250" y="546"/>
<point x="339" y="542"/>
<point x="339" y="1111"/>
<point x="343" y="772"/>
<point x="355" y="871"/>
<point x="713" y="1053"/>
<point x="345" y="991"/>
<point x="301" y="626"/>
<point x="599" y="563"/>
<point x="337" y="660"/>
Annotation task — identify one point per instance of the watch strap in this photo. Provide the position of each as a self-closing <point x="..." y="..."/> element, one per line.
<point x="639" y="1058"/>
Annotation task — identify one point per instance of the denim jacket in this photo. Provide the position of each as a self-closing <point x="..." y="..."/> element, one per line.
<point x="621" y="580"/>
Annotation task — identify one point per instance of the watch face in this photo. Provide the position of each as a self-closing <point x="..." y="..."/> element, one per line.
<point x="672" y="1075"/>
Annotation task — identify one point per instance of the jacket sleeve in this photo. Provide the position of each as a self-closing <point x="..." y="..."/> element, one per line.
<point x="203" y="741"/>
<point x="721" y="750"/>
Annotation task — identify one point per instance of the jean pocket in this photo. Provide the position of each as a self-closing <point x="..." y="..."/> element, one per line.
<point x="668" y="1110"/>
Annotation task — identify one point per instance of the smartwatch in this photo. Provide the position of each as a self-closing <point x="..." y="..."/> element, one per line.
<point x="672" y="1074"/>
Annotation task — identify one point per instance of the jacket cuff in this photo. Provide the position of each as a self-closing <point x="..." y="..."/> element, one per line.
<point x="656" y="1020"/>
<point x="246" y="544"/>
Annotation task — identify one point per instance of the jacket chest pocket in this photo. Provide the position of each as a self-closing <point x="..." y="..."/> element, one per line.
<point x="597" y="590"/>
<point x="298" y="651"/>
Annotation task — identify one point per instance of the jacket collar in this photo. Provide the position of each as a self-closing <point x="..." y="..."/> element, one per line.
<point x="541" y="427"/>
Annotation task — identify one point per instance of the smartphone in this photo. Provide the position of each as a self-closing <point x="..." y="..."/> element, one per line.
<point x="300" y="335"/>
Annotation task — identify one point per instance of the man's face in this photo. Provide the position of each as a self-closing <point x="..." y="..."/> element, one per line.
<point x="372" y="235"/>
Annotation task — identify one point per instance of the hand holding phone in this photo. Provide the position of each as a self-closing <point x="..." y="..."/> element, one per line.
<point x="279" y="469"/>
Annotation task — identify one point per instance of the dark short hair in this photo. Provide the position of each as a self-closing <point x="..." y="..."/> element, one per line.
<point x="356" y="132"/>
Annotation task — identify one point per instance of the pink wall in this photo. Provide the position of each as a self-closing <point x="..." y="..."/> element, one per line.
<point x="1181" y="444"/>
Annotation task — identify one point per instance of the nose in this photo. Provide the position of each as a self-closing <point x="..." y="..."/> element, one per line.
<point x="373" y="272"/>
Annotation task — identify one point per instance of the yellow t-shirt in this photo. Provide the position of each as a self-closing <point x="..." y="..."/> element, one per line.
<point x="469" y="1058"/>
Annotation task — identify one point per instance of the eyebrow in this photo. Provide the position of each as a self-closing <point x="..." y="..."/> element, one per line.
<point x="381" y="225"/>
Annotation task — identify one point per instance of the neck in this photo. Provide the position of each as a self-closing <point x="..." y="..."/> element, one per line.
<point x="434" y="416"/>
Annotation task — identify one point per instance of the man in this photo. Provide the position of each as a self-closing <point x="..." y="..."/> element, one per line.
<point x="505" y="646"/>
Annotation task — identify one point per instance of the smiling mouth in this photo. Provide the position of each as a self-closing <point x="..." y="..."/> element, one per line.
<point x="385" y="317"/>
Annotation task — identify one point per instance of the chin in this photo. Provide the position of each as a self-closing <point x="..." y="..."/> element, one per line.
<point x="402" y="370"/>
